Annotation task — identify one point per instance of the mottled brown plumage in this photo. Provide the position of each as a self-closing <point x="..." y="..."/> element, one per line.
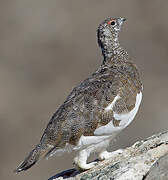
<point x="84" y="110"/>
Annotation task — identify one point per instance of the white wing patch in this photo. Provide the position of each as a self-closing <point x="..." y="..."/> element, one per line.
<point x="110" y="106"/>
<point x="125" y="118"/>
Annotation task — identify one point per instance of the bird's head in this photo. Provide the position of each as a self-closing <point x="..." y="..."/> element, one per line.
<point x="109" y="30"/>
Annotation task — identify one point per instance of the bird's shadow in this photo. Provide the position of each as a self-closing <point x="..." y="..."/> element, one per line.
<point x="69" y="173"/>
<point x="65" y="174"/>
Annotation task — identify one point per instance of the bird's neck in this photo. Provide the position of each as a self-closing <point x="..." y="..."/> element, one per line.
<point x="112" y="51"/>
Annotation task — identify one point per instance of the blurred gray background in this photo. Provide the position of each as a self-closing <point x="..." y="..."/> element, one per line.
<point x="48" y="47"/>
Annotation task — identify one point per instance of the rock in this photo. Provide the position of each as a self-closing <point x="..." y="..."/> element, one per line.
<point x="159" y="170"/>
<point x="145" y="160"/>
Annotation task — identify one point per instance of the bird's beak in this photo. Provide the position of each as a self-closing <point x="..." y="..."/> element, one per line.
<point x="123" y="19"/>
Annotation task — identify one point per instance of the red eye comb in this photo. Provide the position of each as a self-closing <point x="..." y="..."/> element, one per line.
<point x="109" y="22"/>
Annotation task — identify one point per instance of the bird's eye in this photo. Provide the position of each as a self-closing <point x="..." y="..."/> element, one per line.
<point x="112" y="23"/>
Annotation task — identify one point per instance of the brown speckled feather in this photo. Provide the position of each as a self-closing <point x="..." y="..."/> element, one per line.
<point x="83" y="110"/>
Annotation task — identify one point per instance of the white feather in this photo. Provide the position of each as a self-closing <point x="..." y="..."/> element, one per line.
<point x="110" y="106"/>
<point x="125" y="118"/>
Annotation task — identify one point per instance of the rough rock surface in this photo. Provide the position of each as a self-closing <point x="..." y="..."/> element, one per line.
<point x="159" y="170"/>
<point x="141" y="161"/>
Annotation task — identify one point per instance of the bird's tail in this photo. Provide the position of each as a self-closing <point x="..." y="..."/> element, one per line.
<point x="38" y="152"/>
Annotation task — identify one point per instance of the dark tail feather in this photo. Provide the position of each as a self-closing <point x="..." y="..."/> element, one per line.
<point x="32" y="158"/>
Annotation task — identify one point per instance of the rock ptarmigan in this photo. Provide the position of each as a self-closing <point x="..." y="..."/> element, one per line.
<point x="97" y="109"/>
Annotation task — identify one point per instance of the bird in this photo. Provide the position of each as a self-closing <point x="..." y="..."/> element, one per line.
<point x="97" y="109"/>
